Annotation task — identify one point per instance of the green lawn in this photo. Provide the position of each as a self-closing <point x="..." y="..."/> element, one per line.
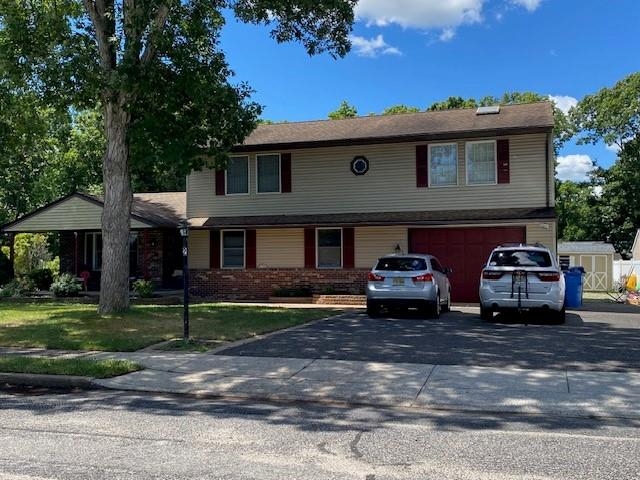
<point x="67" y="366"/>
<point x="79" y="327"/>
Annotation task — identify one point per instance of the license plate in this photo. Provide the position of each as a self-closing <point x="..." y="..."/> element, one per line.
<point x="398" y="281"/>
<point x="519" y="277"/>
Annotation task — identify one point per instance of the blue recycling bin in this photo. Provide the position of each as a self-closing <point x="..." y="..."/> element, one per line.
<point x="573" y="279"/>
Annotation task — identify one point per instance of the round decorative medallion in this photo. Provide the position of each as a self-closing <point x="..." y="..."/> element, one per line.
<point x="359" y="165"/>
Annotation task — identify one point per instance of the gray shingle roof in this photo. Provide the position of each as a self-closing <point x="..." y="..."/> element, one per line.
<point x="565" y="248"/>
<point x="421" y="126"/>
<point x="442" y="217"/>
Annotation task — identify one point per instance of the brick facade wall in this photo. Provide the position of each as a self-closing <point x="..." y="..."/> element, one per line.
<point x="259" y="284"/>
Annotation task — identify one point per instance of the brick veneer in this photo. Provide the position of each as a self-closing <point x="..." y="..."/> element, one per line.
<point x="259" y="284"/>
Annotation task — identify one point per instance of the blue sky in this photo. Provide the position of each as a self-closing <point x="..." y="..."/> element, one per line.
<point x="417" y="52"/>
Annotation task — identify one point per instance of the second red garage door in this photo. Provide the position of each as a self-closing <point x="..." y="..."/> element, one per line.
<point x="465" y="250"/>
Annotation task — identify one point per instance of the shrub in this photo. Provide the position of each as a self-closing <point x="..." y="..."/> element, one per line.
<point x="292" y="292"/>
<point x="42" y="278"/>
<point x="18" y="287"/>
<point x="143" y="288"/>
<point x="66" y="285"/>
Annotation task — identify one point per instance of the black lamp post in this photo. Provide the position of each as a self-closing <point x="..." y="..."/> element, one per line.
<point x="184" y="233"/>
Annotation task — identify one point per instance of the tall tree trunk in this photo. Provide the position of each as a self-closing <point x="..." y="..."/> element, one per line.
<point x="116" y="215"/>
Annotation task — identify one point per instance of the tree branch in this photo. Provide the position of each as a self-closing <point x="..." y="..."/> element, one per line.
<point x="157" y="26"/>
<point x="97" y="10"/>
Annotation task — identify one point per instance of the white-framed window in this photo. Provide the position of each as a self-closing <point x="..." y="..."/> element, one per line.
<point x="233" y="248"/>
<point x="329" y="247"/>
<point x="93" y="250"/>
<point x="237" y="176"/>
<point x="268" y="173"/>
<point x="443" y="164"/>
<point x="481" y="162"/>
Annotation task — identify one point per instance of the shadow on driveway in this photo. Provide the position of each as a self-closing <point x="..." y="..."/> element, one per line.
<point x="588" y="341"/>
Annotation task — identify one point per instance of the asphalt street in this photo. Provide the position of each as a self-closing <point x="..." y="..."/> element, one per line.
<point x="114" y="436"/>
<point x="590" y="340"/>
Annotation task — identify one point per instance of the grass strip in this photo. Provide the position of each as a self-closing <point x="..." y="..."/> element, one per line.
<point x="67" y="366"/>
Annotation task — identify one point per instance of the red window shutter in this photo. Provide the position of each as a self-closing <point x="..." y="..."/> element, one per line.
<point x="348" y="249"/>
<point x="502" y="156"/>
<point x="309" y="248"/>
<point x="214" y="249"/>
<point x="250" y="239"/>
<point x="220" y="182"/>
<point x="285" y="174"/>
<point x="422" y="167"/>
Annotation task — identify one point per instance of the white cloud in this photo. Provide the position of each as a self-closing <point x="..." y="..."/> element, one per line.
<point x="614" y="147"/>
<point x="423" y="14"/>
<point x="563" y="102"/>
<point x="530" y="5"/>
<point x="372" y="47"/>
<point x="574" y="167"/>
<point x="447" y="34"/>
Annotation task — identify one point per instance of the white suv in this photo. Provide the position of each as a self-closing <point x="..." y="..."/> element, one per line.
<point x="522" y="277"/>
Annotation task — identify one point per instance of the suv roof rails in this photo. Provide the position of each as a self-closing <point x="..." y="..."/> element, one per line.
<point x="516" y="244"/>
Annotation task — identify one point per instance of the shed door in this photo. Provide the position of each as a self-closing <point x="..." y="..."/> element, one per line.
<point x="465" y="250"/>
<point x="596" y="272"/>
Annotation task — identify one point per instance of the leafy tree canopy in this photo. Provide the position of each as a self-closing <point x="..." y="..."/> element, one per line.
<point x="396" y="109"/>
<point x="611" y="115"/>
<point x="345" y="110"/>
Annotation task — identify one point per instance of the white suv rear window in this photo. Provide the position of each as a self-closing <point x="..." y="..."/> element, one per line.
<point x="520" y="258"/>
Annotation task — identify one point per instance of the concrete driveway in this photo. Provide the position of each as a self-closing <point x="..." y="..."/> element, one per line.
<point x="598" y="338"/>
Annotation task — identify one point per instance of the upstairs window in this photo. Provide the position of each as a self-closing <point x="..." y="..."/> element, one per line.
<point x="268" y="173"/>
<point x="238" y="176"/>
<point x="329" y="247"/>
<point x="481" y="163"/>
<point x="232" y="249"/>
<point x="443" y="164"/>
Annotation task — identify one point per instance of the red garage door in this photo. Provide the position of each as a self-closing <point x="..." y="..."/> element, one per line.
<point x="465" y="250"/>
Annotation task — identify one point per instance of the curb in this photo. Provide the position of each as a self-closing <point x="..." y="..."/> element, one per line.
<point x="48" y="381"/>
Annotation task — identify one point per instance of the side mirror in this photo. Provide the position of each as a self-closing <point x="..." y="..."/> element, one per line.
<point x="448" y="270"/>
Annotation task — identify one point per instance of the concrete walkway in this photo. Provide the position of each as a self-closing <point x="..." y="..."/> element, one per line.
<point x="417" y="386"/>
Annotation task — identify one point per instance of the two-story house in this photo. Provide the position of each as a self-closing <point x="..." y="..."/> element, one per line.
<point x="314" y="204"/>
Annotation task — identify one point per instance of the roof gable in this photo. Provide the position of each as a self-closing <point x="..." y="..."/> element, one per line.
<point x="80" y="211"/>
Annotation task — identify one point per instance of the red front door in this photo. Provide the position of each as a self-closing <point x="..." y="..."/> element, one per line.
<point x="465" y="250"/>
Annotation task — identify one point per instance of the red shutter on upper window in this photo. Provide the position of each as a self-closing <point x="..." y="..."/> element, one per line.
<point x="250" y="238"/>
<point x="214" y="249"/>
<point x="285" y="174"/>
<point x="220" y="181"/>
<point x="309" y="248"/>
<point x="348" y="248"/>
<point x="422" y="167"/>
<point x="502" y="156"/>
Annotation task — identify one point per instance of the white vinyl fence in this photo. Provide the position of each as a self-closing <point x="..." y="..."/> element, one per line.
<point x="623" y="268"/>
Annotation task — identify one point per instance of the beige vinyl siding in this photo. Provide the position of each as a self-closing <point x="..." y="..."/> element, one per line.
<point x="199" y="251"/>
<point x="373" y="242"/>
<point x="323" y="183"/>
<point x="74" y="213"/>
<point x="281" y="248"/>
<point x="544" y="233"/>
